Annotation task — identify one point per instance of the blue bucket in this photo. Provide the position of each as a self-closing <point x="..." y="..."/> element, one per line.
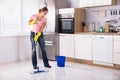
<point x="61" y="61"/>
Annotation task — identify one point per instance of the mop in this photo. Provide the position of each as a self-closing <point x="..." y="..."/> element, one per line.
<point x="36" y="39"/>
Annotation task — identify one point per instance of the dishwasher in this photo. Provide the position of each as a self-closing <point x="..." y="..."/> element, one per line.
<point x="103" y="50"/>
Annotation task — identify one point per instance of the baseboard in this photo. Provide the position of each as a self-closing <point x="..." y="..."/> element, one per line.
<point x="116" y="66"/>
<point x="90" y="62"/>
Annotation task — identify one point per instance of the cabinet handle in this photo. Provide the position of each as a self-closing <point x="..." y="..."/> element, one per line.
<point x="102" y="37"/>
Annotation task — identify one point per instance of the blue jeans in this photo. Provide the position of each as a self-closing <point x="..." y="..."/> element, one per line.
<point x="42" y="46"/>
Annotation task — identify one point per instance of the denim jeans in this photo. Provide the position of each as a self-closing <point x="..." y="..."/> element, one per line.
<point x="42" y="46"/>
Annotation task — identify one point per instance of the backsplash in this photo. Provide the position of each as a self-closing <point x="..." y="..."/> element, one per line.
<point x="92" y="14"/>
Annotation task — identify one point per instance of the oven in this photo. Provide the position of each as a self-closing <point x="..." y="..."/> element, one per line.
<point x="66" y="25"/>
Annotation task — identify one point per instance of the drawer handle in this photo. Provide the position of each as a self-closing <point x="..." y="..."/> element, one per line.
<point x="102" y="37"/>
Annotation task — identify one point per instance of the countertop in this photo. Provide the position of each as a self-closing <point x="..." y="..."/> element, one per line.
<point x="97" y="33"/>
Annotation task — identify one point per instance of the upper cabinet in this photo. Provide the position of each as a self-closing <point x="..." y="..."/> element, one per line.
<point x="105" y="2"/>
<point x="86" y="3"/>
<point x="92" y="3"/>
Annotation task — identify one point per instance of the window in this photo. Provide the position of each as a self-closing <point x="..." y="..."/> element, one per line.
<point x="29" y="7"/>
<point x="11" y="16"/>
<point x="14" y="15"/>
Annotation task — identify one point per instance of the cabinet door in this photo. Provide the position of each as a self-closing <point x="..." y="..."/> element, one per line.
<point x="83" y="47"/>
<point x="86" y="3"/>
<point x="102" y="49"/>
<point x="66" y="45"/>
<point x="117" y="46"/>
<point x="116" y="58"/>
<point x="103" y="2"/>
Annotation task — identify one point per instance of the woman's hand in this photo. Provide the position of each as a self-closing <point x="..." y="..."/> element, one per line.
<point x="32" y="22"/>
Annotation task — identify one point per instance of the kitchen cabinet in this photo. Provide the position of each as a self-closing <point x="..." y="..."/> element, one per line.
<point x="116" y="50"/>
<point x="102" y="49"/>
<point x="104" y="2"/>
<point x="66" y="45"/>
<point x="86" y="3"/>
<point x="83" y="47"/>
<point x="92" y="3"/>
<point x="66" y="11"/>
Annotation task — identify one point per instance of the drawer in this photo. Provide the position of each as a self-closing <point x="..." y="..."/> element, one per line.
<point x="116" y="58"/>
<point x="117" y="38"/>
<point x="83" y="36"/>
<point x="102" y="36"/>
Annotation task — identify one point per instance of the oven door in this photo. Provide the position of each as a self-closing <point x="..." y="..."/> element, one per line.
<point x="66" y="25"/>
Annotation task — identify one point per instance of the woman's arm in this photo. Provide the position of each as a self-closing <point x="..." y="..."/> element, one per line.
<point x="43" y="26"/>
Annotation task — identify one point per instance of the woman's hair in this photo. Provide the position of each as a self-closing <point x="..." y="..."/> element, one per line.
<point x="43" y="9"/>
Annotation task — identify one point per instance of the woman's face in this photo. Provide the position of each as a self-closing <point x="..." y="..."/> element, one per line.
<point x="43" y="13"/>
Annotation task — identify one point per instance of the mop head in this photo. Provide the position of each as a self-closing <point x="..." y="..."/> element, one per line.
<point x="38" y="71"/>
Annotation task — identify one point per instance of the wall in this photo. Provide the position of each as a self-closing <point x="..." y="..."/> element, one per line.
<point x="14" y="48"/>
<point x="92" y="13"/>
<point x="8" y="50"/>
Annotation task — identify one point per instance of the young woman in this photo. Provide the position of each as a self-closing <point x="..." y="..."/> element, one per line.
<point x="38" y="27"/>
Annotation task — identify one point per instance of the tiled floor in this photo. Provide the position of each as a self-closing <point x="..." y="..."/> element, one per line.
<point x="72" y="71"/>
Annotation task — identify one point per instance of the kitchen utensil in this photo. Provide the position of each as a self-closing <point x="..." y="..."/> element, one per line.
<point x="112" y="29"/>
<point x="116" y="16"/>
<point x="114" y="13"/>
<point x="119" y="14"/>
<point x="93" y="26"/>
<point x="85" y="29"/>
<point x="101" y="29"/>
<point x="90" y="26"/>
<point x="107" y="26"/>
<point x="83" y="25"/>
<point x="113" y="17"/>
<point x="111" y="13"/>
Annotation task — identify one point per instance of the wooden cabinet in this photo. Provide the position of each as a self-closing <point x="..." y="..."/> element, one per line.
<point x="79" y="17"/>
<point x="116" y="50"/>
<point x="83" y="47"/>
<point x="66" y="45"/>
<point x="86" y="3"/>
<point x="66" y="11"/>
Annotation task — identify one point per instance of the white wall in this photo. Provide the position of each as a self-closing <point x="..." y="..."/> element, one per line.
<point x="14" y="48"/>
<point x="24" y="48"/>
<point x="8" y="50"/>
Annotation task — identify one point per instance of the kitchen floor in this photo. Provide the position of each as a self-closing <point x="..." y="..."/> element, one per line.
<point x="72" y="71"/>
